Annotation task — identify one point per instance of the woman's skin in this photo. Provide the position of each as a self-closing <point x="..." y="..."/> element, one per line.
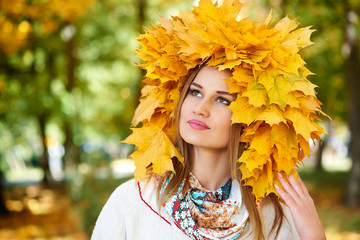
<point x="302" y="208"/>
<point x="205" y="122"/>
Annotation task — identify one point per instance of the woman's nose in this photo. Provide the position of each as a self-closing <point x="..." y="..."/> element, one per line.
<point x="202" y="108"/>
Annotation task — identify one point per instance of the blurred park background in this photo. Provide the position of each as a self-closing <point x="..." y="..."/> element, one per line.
<point x="69" y="87"/>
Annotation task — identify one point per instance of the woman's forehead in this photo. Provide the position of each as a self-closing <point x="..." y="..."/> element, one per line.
<point x="209" y="76"/>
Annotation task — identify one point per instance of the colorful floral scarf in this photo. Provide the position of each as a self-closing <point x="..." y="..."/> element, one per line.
<point x="205" y="214"/>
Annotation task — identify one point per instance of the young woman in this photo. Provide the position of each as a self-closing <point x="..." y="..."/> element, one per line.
<point x="192" y="179"/>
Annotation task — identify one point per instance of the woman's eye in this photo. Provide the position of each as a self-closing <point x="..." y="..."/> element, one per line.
<point x="194" y="92"/>
<point x="223" y="101"/>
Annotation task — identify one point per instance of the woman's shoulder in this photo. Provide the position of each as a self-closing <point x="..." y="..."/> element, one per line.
<point x="133" y="192"/>
<point x="268" y="211"/>
<point x="125" y="188"/>
<point x="121" y="210"/>
<point x="110" y="223"/>
<point x="128" y="212"/>
<point x="123" y="196"/>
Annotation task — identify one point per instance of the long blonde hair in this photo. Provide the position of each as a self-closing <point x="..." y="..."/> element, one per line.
<point x="234" y="151"/>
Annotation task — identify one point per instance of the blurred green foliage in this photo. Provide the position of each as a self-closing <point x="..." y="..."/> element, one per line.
<point x="327" y="189"/>
<point x="95" y="52"/>
<point x="79" y="79"/>
<point x="89" y="194"/>
<point x="74" y="83"/>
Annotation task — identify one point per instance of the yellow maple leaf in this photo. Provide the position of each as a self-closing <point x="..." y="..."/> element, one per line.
<point x="243" y="112"/>
<point x="261" y="142"/>
<point x="273" y="115"/>
<point x="253" y="160"/>
<point x="304" y="86"/>
<point x="147" y="90"/>
<point x="292" y="99"/>
<point x="292" y="63"/>
<point x="263" y="184"/>
<point x="284" y="26"/>
<point x="142" y="137"/>
<point x="234" y="87"/>
<point x="290" y="46"/>
<point x="304" y="145"/>
<point x="229" y="64"/>
<point x="266" y="78"/>
<point x="246" y="173"/>
<point x="145" y="110"/>
<point x="158" y="119"/>
<point x="141" y="164"/>
<point x="279" y="91"/>
<point x="302" y="37"/>
<point x="264" y="64"/>
<point x="302" y="123"/>
<point x="243" y="76"/>
<point x="284" y="163"/>
<point x="249" y="132"/>
<point x="159" y="153"/>
<point x="309" y="104"/>
<point x="163" y="163"/>
<point x="256" y="95"/>
<point x="258" y="56"/>
<point x="282" y="134"/>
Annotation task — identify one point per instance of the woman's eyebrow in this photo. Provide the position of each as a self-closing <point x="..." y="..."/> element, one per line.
<point x="197" y="85"/>
<point x="224" y="93"/>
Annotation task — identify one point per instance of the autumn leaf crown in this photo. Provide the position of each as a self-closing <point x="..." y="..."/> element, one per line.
<point x="275" y="102"/>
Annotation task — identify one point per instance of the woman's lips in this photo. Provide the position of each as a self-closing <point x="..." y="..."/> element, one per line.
<point x="198" y="125"/>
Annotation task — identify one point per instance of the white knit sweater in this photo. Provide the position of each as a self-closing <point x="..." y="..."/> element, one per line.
<point x="130" y="215"/>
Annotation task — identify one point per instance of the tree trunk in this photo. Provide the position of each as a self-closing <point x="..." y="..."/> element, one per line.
<point x="319" y="153"/>
<point x="42" y="117"/>
<point x="71" y="61"/>
<point x="72" y="155"/>
<point x="141" y="20"/>
<point x="3" y="209"/>
<point x="141" y="15"/>
<point x="47" y="179"/>
<point x="351" y="51"/>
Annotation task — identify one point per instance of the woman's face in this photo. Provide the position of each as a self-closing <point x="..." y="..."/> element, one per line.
<point x="205" y="119"/>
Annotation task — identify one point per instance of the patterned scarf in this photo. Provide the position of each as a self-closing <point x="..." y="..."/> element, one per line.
<point x="205" y="214"/>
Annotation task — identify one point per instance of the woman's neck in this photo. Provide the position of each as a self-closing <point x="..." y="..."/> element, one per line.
<point x="211" y="167"/>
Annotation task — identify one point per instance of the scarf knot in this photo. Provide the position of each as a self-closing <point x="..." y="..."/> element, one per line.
<point x="203" y="214"/>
